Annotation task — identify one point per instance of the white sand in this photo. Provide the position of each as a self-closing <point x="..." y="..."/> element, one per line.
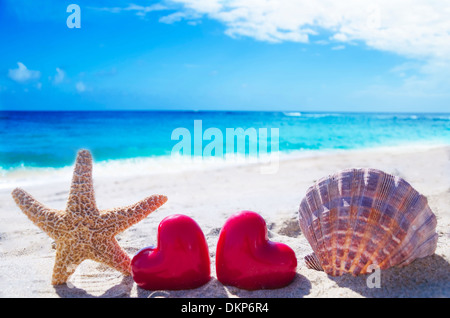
<point x="210" y="197"/>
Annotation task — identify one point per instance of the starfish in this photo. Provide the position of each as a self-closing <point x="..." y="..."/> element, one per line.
<point x="82" y="231"/>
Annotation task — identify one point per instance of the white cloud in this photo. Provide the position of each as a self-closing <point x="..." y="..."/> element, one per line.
<point x="80" y="86"/>
<point x="143" y="10"/>
<point x="174" y="17"/>
<point x="60" y="76"/>
<point x="338" y="47"/>
<point x="139" y="10"/>
<point x="22" y="74"/>
<point x="411" y="28"/>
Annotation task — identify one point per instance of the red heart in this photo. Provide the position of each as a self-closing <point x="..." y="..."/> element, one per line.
<point x="180" y="261"/>
<point x="245" y="257"/>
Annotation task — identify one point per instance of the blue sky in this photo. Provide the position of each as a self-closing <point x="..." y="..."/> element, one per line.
<point x="226" y="55"/>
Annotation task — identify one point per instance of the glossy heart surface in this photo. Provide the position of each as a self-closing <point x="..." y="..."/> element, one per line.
<point x="180" y="260"/>
<point x="247" y="259"/>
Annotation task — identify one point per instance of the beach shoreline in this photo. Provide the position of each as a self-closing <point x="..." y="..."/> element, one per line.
<point x="157" y="165"/>
<point x="210" y="196"/>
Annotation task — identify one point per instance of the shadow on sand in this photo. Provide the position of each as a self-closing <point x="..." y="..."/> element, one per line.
<point x="121" y="290"/>
<point x="427" y="277"/>
<point x="299" y="287"/>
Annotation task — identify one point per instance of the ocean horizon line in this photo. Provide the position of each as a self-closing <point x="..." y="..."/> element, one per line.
<point x="218" y="111"/>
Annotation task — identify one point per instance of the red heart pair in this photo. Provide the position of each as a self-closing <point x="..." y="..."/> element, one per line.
<point x="245" y="257"/>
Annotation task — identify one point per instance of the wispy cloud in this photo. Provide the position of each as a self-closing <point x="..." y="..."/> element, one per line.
<point x="191" y="15"/>
<point x="80" y="87"/>
<point x="59" y="77"/>
<point x="173" y="17"/>
<point x="137" y="9"/>
<point x="22" y="74"/>
<point x="338" y="47"/>
<point x="424" y="81"/>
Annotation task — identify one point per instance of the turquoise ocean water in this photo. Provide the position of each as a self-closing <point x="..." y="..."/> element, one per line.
<point x="51" y="139"/>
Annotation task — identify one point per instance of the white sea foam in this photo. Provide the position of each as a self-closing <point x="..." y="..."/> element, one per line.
<point x="121" y="168"/>
<point x="324" y="115"/>
<point x="312" y="115"/>
<point x="292" y="114"/>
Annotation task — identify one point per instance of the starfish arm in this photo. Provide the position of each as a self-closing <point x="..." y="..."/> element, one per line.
<point x="46" y="219"/>
<point x="81" y="196"/>
<point x="66" y="261"/>
<point x="109" y="252"/>
<point x="118" y="220"/>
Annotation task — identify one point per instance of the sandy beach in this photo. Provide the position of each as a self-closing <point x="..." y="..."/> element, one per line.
<point x="210" y="197"/>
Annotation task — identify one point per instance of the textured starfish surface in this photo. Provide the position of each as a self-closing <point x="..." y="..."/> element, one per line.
<point x="82" y="231"/>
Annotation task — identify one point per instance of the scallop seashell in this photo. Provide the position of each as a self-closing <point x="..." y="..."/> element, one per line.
<point x="359" y="217"/>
